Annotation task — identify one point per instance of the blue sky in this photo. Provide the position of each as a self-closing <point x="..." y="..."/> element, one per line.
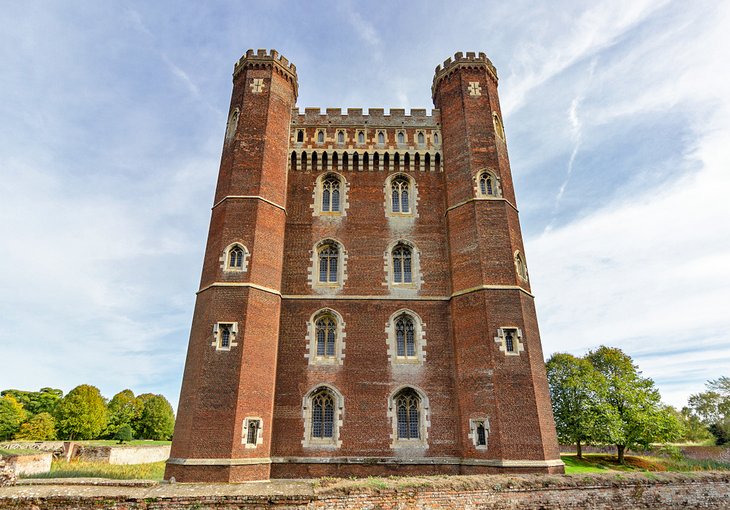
<point x="111" y="125"/>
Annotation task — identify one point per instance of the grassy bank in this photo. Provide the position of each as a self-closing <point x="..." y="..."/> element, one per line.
<point x="79" y="469"/>
<point x="602" y="463"/>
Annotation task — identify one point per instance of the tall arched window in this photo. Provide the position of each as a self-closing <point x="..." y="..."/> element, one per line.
<point x="435" y="138"/>
<point x="234" y="258"/>
<point x="405" y="340"/>
<point x="341" y="137"/>
<point x="361" y="137"/>
<point x="381" y="137"/>
<point x="401" y="137"/>
<point x="408" y="414"/>
<point x="300" y="135"/>
<point x="326" y="331"/>
<point x="421" y="139"/>
<point x="328" y="260"/>
<point x="331" y="194"/>
<point x="323" y="414"/>
<point x="402" y="267"/>
<point x="320" y="137"/>
<point x="400" y="188"/>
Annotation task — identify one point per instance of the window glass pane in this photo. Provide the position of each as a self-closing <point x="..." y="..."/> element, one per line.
<point x="326" y="200"/>
<point x="396" y="200"/>
<point x="410" y="340"/>
<point x="329" y="418"/>
<point x="330" y="339"/>
<point x="335" y="200"/>
<point x="323" y="268"/>
<point x="333" y="268"/>
<point x="320" y="339"/>
<point x="404" y="201"/>
<point x="481" y="435"/>
<point x="407" y="275"/>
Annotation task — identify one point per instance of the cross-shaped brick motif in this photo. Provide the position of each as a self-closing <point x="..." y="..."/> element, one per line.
<point x="257" y="85"/>
<point x="475" y="89"/>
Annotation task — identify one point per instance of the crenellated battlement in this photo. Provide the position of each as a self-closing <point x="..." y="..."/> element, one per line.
<point x="376" y="117"/>
<point x="262" y="58"/>
<point x="470" y="60"/>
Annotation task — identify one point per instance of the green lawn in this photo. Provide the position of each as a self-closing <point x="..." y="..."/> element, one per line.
<point x="603" y="463"/>
<point x="18" y="451"/>
<point x="77" y="469"/>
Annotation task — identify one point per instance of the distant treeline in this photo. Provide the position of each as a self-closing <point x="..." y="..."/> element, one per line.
<point x="602" y="399"/>
<point x="83" y="413"/>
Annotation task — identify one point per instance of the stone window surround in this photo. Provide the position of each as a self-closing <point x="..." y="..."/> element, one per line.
<point x="522" y="273"/>
<point x="500" y="339"/>
<point x="496" y="185"/>
<point x="498" y="125"/>
<point x="260" y="433"/>
<point x="313" y="270"/>
<point x="473" y="423"/>
<point x="317" y="196"/>
<point x="232" y="124"/>
<point x="311" y="339"/>
<point x="217" y="336"/>
<point x="424" y="420"/>
<point x="412" y="196"/>
<point x="224" y="258"/>
<point x="419" y="337"/>
<point x="329" y="443"/>
<point x="416" y="275"/>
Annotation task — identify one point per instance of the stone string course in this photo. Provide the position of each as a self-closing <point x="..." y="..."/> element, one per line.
<point x="625" y="491"/>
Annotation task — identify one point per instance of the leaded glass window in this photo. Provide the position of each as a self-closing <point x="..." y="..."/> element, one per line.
<point x="235" y="258"/>
<point x="331" y="194"/>
<point x="328" y="258"/>
<point x="323" y="415"/>
<point x="509" y="340"/>
<point x="486" y="184"/>
<point x="404" y="336"/>
<point x="400" y="188"/>
<point x="252" y="434"/>
<point x="326" y="330"/>
<point x="408" y="410"/>
<point x="402" y="264"/>
<point x="225" y="335"/>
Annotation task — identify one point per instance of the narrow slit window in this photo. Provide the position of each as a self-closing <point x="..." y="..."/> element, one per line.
<point x="481" y="434"/>
<point x="300" y="136"/>
<point x="252" y="434"/>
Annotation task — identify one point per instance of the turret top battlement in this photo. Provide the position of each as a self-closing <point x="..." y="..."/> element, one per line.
<point x="263" y="58"/>
<point x="469" y="60"/>
<point x="396" y="117"/>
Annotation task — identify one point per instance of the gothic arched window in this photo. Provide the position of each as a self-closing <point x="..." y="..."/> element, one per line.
<point x="235" y="258"/>
<point x="331" y="194"/>
<point x="400" y="188"/>
<point x="401" y="137"/>
<point x="320" y="137"/>
<point x="405" y="340"/>
<point x="381" y="137"/>
<point x="329" y="255"/>
<point x="486" y="184"/>
<point x="341" y="137"/>
<point x="323" y="414"/>
<point x="408" y="414"/>
<point x="402" y="267"/>
<point x="421" y="139"/>
<point x="326" y="331"/>
<point x="300" y="135"/>
<point x="520" y="266"/>
<point x="360" y="137"/>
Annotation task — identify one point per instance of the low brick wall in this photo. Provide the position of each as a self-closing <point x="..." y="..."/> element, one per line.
<point x="124" y="454"/>
<point x="32" y="464"/>
<point x="612" y="491"/>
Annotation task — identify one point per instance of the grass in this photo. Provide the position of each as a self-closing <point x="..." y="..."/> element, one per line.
<point x="79" y="469"/>
<point x="112" y="442"/>
<point x="18" y="451"/>
<point x="602" y="463"/>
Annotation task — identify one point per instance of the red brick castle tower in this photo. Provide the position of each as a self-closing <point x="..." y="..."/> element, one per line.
<point x="364" y="307"/>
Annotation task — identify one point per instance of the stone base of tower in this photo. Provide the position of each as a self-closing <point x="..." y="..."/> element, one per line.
<point x="217" y="474"/>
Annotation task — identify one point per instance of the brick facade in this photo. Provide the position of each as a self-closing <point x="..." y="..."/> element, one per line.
<point x="460" y="291"/>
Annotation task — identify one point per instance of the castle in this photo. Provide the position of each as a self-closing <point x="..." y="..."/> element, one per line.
<point x="364" y="306"/>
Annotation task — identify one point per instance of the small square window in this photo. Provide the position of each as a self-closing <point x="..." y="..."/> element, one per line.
<point x="510" y="341"/>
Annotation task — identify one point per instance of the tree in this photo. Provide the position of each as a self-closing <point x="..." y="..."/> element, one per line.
<point x="575" y="390"/>
<point x="36" y="402"/>
<point x="124" y="433"/>
<point x="157" y="419"/>
<point x="12" y="415"/>
<point x="712" y="408"/>
<point x="41" y="427"/>
<point x="124" y="409"/>
<point x="81" y="414"/>
<point x="634" y="415"/>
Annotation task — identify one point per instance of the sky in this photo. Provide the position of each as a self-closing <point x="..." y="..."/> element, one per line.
<point x="617" y="115"/>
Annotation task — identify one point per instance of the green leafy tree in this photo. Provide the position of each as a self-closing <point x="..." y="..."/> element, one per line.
<point x="693" y="429"/>
<point x="36" y="402"/>
<point x="634" y="415"/>
<point x="41" y="427"/>
<point x="712" y="408"/>
<point x="12" y="415"/>
<point x="157" y="419"/>
<point x="576" y="390"/>
<point x="81" y="414"/>
<point x="124" y="433"/>
<point x="124" y="409"/>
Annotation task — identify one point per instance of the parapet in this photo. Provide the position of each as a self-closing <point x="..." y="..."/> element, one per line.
<point x="471" y="60"/>
<point x="376" y="117"/>
<point x="272" y="58"/>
